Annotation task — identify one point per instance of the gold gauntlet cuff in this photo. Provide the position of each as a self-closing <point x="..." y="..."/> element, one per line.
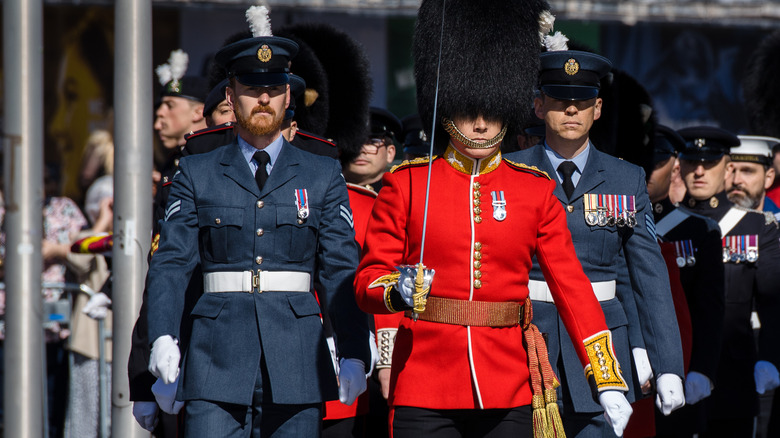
<point x="385" y="339"/>
<point x="603" y="369"/>
<point x="387" y="282"/>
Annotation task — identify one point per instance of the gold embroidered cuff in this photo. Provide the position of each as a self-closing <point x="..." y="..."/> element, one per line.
<point x="387" y="282"/>
<point x="603" y="371"/>
<point x="385" y="339"/>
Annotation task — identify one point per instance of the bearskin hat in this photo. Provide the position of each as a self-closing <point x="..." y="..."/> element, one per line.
<point x="484" y="57"/>
<point x="349" y="83"/>
<point x="761" y="89"/>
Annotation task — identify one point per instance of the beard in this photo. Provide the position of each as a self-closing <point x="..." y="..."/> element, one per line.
<point x="259" y="126"/>
<point x="743" y="198"/>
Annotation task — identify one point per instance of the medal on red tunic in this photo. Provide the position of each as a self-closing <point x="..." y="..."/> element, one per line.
<point x="499" y="205"/>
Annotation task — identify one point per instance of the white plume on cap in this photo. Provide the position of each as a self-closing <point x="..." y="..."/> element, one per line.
<point x="556" y="42"/>
<point x="163" y="73"/>
<point x="174" y="69"/>
<point x="259" y="21"/>
<point x="546" y="21"/>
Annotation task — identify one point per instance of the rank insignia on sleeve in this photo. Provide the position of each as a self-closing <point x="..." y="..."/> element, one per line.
<point x="172" y="209"/>
<point x="346" y="214"/>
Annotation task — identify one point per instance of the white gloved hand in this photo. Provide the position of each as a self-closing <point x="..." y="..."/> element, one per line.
<point x="670" y="393"/>
<point x="165" y="394"/>
<point x="697" y="387"/>
<point x="406" y="282"/>
<point x="644" y="371"/>
<point x="617" y="410"/>
<point x="145" y="413"/>
<point x="766" y="376"/>
<point x="97" y="306"/>
<point x="352" y="380"/>
<point x="164" y="360"/>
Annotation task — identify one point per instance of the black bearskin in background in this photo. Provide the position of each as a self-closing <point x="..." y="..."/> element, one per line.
<point x="314" y="116"/>
<point x="489" y="60"/>
<point x="761" y="89"/>
<point x="626" y="128"/>
<point x="348" y="78"/>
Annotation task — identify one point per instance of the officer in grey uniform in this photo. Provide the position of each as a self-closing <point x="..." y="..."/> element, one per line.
<point x="608" y="211"/>
<point x="751" y="255"/>
<point x="257" y="360"/>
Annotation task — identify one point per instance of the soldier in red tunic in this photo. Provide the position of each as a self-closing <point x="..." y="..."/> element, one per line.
<point x="467" y="361"/>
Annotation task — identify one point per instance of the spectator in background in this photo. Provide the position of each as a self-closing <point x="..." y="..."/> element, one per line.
<point x="82" y="419"/>
<point x="98" y="158"/>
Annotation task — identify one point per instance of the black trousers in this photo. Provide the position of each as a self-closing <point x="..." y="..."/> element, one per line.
<point x="461" y="423"/>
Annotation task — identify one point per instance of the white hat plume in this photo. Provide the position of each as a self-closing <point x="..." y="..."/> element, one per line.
<point x="259" y="21"/>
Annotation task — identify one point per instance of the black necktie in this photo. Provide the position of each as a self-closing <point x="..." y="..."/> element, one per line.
<point x="261" y="175"/>
<point x="567" y="169"/>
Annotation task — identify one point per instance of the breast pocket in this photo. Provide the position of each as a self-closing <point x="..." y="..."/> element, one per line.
<point x="220" y="233"/>
<point x="297" y="238"/>
<point x="603" y="245"/>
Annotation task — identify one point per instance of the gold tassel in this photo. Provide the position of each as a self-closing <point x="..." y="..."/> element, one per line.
<point x="539" y="416"/>
<point x="554" y="415"/>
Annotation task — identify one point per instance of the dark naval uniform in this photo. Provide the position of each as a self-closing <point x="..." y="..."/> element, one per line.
<point x="697" y="246"/>
<point x="751" y="254"/>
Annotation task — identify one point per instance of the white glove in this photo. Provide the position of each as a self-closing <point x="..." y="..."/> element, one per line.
<point x="766" y="376"/>
<point x="617" y="410"/>
<point x="164" y="360"/>
<point x="97" y="306"/>
<point x="644" y="371"/>
<point x="145" y="414"/>
<point x="406" y="282"/>
<point x="165" y="394"/>
<point x="670" y="393"/>
<point x="352" y="380"/>
<point x="697" y="387"/>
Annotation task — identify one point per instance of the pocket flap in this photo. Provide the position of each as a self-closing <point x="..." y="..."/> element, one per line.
<point x="208" y="306"/>
<point x="303" y="304"/>
<point x="218" y="217"/>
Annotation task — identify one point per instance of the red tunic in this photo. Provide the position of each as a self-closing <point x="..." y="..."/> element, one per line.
<point x="476" y="257"/>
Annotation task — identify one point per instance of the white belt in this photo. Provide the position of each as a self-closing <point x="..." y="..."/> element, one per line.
<point x="539" y="291"/>
<point x="262" y="281"/>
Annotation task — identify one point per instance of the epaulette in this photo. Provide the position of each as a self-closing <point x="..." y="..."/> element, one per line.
<point x="419" y="161"/>
<point x="526" y="168"/>
<point x="218" y="128"/>
<point x="362" y="189"/>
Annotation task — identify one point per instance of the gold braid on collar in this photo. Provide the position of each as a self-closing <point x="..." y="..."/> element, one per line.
<point x="455" y="133"/>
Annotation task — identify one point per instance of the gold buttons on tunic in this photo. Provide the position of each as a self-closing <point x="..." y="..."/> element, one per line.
<point x="477" y="255"/>
<point x="217" y="221"/>
<point x="260" y="204"/>
<point x="477" y="210"/>
<point x="478" y="246"/>
<point x="477" y="185"/>
<point x="477" y="284"/>
<point x="260" y="232"/>
<point x="570" y="208"/>
<point x="477" y="274"/>
<point x="478" y="219"/>
<point x="258" y="260"/>
<point x="477" y="202"/>
<point x="300" y="221"/>
<point x="477" y="264"/>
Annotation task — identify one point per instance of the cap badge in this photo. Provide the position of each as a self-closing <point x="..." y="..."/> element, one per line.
<point x="264" y="53"/>
<point x="174" y="86"/>
<point x="571" y="67"/>
<point x="700" y="142"/>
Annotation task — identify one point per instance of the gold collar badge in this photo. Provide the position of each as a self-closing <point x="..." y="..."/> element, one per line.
<point x="714" y="202"/>
<point x="264" y="53"/>
<point x="571" y="67"/>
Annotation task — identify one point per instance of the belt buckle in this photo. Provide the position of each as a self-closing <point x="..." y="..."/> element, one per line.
<point x="256" y="281"/>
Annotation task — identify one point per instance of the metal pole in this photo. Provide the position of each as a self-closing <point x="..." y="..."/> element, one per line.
<point x="23" y="193"/>
<point x="132" y="191"/>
